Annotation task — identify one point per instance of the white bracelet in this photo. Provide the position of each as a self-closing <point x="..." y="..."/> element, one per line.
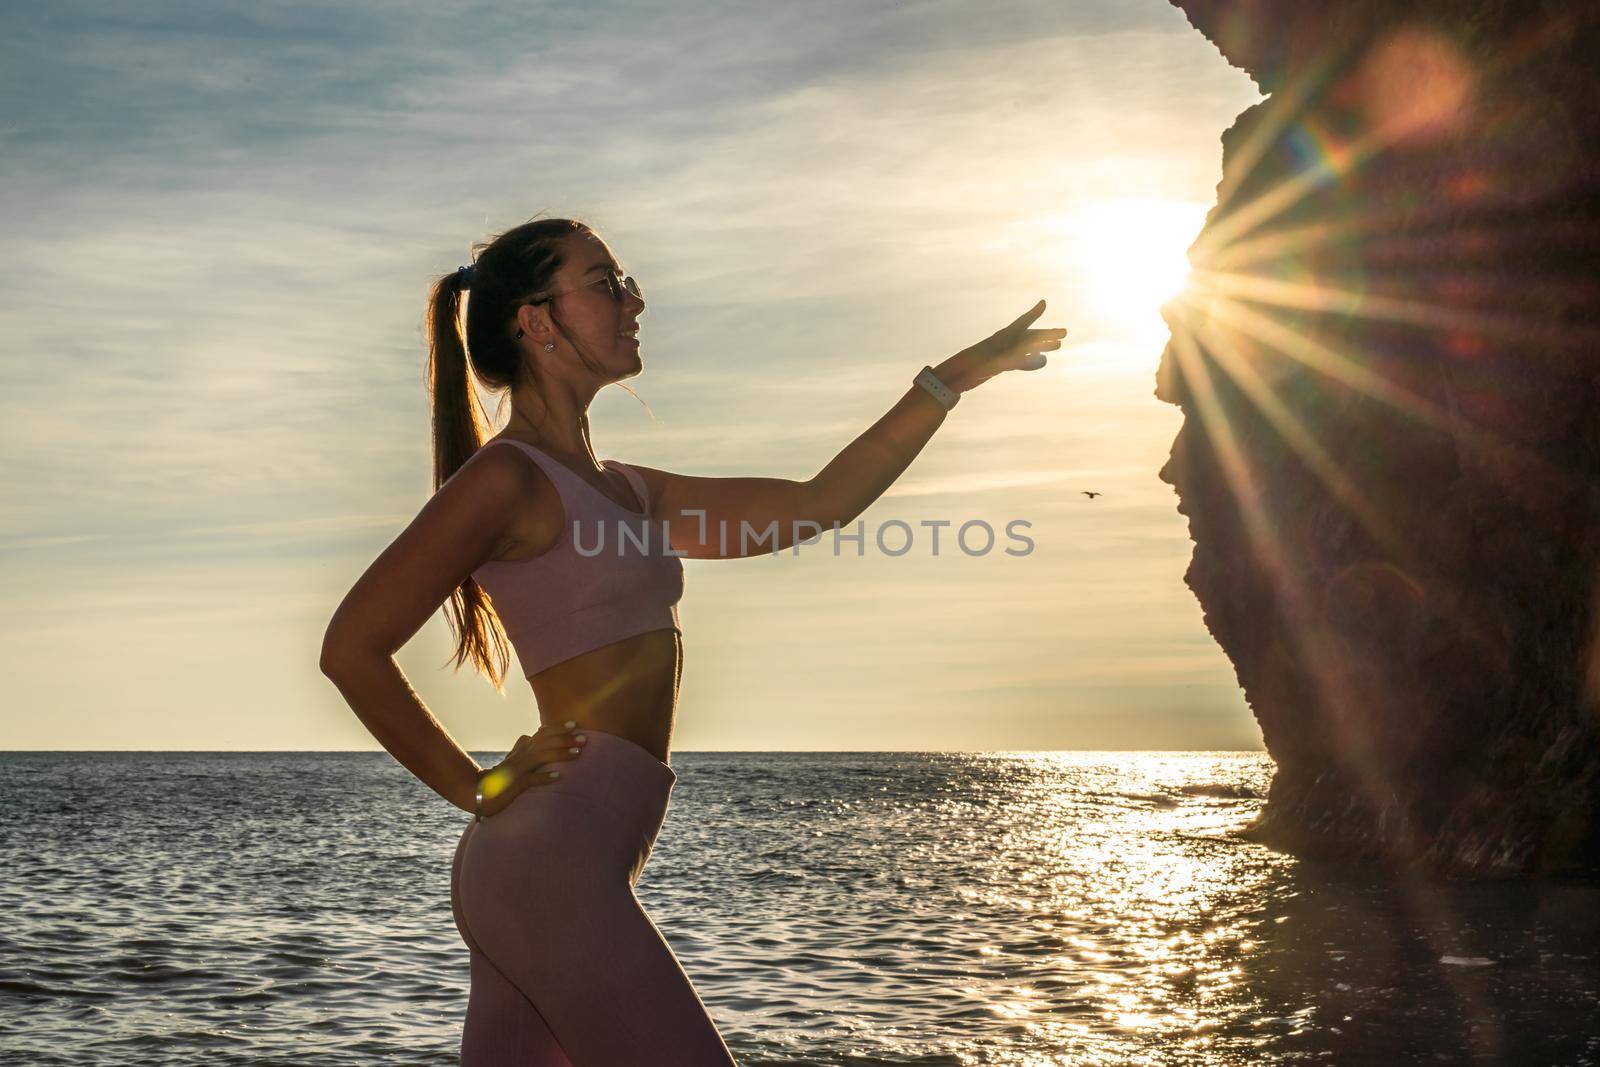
<point x="937" y="389"/>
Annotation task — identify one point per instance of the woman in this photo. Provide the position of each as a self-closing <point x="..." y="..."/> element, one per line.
<point x="565" y="965"/>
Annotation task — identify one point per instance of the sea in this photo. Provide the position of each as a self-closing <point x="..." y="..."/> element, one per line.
<point x="851" y="908"/>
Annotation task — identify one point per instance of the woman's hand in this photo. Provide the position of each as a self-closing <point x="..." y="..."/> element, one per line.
<point x="1014" y="347"/>
<point x="527" y="765"/>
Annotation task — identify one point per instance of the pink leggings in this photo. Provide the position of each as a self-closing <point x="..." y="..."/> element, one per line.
<point x="567" y="969"/>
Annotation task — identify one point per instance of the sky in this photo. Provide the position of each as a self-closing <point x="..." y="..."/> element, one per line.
<point x="222" y="220"/>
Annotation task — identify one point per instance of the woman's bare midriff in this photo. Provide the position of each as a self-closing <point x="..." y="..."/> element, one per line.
<point x="629" y="688"/>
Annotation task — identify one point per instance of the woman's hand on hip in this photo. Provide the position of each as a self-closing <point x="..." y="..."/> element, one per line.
<point x="1012" y="347"/>
<point x="528" y="765"/>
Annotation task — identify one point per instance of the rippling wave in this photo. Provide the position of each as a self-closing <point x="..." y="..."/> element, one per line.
<point x="831" y="908"/>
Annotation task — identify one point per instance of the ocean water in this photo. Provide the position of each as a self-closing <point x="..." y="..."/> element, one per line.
<point x="831" y="908"/>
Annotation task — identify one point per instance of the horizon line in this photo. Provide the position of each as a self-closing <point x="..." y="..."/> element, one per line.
<point x="710" y="751"/>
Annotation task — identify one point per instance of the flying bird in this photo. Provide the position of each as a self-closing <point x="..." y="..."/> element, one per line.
<point x="1090" y="493"/>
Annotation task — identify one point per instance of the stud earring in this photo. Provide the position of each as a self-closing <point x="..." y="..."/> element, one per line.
<point x="549" y="346"/>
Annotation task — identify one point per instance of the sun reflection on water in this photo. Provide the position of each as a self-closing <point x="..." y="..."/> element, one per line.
<point x="1128" y="931"/>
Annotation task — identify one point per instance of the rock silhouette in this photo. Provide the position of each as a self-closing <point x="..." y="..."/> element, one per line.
<point x="1388" y="359"/>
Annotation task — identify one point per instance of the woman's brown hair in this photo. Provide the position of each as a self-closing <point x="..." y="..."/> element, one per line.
<point x="507" y="272"/>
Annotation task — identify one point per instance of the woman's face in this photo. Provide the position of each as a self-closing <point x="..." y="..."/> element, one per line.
<point x="607" y="329"/>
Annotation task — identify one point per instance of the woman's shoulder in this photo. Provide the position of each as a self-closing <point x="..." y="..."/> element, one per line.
<point x="531" y="498"/>
<point x="504" y="474"/>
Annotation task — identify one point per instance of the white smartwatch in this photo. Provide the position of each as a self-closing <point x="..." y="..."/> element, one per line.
<point x="941" y="392"/>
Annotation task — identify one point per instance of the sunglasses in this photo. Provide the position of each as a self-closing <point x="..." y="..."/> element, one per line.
<point x="617" y="285"/>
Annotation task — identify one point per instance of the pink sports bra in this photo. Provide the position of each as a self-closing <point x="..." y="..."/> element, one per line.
<point x="605" y="578"/>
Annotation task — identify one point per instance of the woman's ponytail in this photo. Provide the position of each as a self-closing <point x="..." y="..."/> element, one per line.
<point x="458" y="428"/>
<point x="458" y="432"/>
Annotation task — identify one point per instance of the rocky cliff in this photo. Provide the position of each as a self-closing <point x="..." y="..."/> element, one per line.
<point x="1388" y="359"/>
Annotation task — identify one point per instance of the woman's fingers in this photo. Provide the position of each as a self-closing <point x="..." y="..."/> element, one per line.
<point x="529" y="759"/>
<point x="1027" y="351"/>
<point x="542" y="775"/>
<point x="542" y="769"/>
<point x="1027" y="316"/>
<point x="1038" y="340"/>
<point x="1015" y="347"/>
<point x="533" y="763"/>
<point x="551" y="746"/>
<point x="547" y="739"/>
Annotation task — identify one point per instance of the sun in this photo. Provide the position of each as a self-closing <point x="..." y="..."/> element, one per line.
<point x="1129" y="257"/>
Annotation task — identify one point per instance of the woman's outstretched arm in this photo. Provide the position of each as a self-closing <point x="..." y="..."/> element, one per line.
<point x="729" y="518"/>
